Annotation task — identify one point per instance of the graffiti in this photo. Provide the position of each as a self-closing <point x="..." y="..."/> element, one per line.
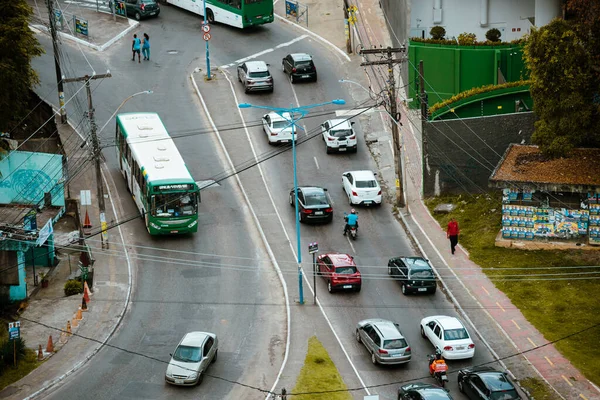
<point x="28" y="184"/>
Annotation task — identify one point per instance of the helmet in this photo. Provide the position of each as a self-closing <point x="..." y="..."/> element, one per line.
<point x="353" y="211"/>
<point x="438" y="352"/>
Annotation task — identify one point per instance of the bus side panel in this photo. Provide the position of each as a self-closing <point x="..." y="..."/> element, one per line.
<point x="137" y="196"/>
<point x="192" y="6"/>
<point x="227" y="17"/>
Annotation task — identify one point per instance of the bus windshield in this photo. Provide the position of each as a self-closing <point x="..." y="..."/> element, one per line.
<point x="174" y="204"/>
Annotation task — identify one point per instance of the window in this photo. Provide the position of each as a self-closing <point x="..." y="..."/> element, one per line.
<point x="366" y="184"/>
<point x="128" y="155"/>
<point x="209" y="344"/>
<point x="341" y="133"/>
<point x="478" y="383"/>
<point x="421" y="274"/>
<point x="260" y="74"/>
<point x="316" y="199"/>
<point x="281" y="124"/>
<point x="456" y="334"/>
<point x="346" y="270"/>
<point x="350" y="178"/>
<point x="394" y="344"/>
<point x="187" y="354"/>
<point x="437" y="330"/>
<point x="375" y="337"/>
<point x="175" y="204"/>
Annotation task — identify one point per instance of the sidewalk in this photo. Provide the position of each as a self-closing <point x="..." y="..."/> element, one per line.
<point x="49" y="310"/>
<point x="103" y="29"/>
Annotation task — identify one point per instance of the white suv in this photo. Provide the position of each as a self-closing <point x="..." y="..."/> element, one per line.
<point x="339" y="135"/>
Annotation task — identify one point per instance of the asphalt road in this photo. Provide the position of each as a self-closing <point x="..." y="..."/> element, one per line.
<point x="171" y="298"/>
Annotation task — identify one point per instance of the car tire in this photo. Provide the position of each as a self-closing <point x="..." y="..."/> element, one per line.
<point x="329" y="287"/>
<point x="327" y="149"/>
<point x="200" y="378"/>
<point x="461" y="385"/>
<point x="239" y="78"/>
<point x="404" y="292"/>
<point x="137" y="16"/>
<point x="329" y="219"/>
<point x="423" y="332"/>
<point x="373" y="359"/>
<point x="350" y="200"/>
<point x="389" y="270"/>
<point x="432" y="291"/>
<point x="300" y="218"/>
<point x="210" y="17"/>
<point x="358" y="288"/>
<point x="215" y="357"/>
<point x="358" y="336"/>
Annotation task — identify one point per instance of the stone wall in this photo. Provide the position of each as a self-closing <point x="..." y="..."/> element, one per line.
<point x="460" y="155"/>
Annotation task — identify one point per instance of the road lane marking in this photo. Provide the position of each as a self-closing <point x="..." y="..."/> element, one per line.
<point x="266" y="51"/>
<point x="260" y="230"/>
<point x="316" y="162"/>
<point x="488" y="293"/>
<point x="305" y="276"/>
<point x="567" y="380"/>
<point x="498" y="304"/>
<point x="531" y="341"/>
<point x="549" y="362"/>
<point x="351" y="245"/>
<point x="514" y="322"/>
<point x="354" y="112"/>
<point x="582" y="396"/>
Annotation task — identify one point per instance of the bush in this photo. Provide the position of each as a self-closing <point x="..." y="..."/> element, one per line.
<point x="467" y="39"/>
<point x="437" y="33"/>
<point x="73" y="286"/>
<point x="7" y="351"/>
<point x="493" y="35"/>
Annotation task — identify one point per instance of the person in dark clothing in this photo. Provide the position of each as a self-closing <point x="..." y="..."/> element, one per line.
<point x="452" y="234"/>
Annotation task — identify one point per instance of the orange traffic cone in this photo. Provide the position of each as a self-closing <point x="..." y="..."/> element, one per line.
<point x="69" y="333"/>
<point x="40" y="353"/>
<point x="50" y="345"/>
<point x="83" y="304"/>
<point x="86" y="287"/>
<point x="87" y="224"/>
<point x="86" y="293"/>
<point x="74" y="321"/>
<point x="78" y="315"/>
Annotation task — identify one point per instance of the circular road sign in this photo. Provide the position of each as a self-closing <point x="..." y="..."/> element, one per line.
<point x="206" y="36"/>
<point x="206" y="28"/>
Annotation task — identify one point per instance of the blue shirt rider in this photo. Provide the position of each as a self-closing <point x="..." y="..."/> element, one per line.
<point x="351" y="220"/>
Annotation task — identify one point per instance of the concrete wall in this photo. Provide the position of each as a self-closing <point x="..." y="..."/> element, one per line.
<point x="460" y="155"/>
<point x="19" y="292"/>
<point x="27" y="175"/>
<point x="397" y="14"/>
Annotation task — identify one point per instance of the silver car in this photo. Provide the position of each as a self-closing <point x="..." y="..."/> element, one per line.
<point x="255" y="76"/>
<point x="384" y="341"/>
<point x="193" y="355"/>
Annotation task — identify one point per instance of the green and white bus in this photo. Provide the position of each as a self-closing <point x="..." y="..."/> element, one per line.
<point x="238" y="13"/>
<point x="156" y="175"/>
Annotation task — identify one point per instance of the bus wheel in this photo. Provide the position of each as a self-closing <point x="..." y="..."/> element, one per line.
<point x="210" y="17"/>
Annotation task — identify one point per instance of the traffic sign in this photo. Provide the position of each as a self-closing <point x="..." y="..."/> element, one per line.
<point x="14" y="330"/>
<point x="313" y="247"/>
<point x="206" y="28"/>
<point x="206" y="36"/>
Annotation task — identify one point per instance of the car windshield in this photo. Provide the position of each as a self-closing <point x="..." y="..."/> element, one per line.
<point x="394" y="344"/>
<point x="315" y="199"/>
<point x="435" y="394"/>
<point x="187" y="354"/>
<point x="340" y="133"/>
<point x="281" y="124"/>
<point x="366" y="184"/>
<point x="262" y="74"/>
<point x="174" y="204"/>
<point x="421" y="274"/>
<point x="456" y="334"/>
<point x="504" y="395"/>
<point x="345" y="270"/>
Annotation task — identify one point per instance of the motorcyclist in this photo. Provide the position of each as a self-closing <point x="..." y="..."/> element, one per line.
<point x="351" y="221"/>
<point x="438" y="360"/>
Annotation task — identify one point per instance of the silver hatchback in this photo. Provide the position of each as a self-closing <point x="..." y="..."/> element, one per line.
<point x="384" y="340"/>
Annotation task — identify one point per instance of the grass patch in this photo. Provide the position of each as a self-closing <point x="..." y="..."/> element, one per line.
<point x="538" y="389"/>
<point x="10" y="374"/>
<point x="318" y="374"/>
<point x="557" y="308"/>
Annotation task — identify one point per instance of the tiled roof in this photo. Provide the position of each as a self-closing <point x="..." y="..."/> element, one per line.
<point x="526" y="164"/>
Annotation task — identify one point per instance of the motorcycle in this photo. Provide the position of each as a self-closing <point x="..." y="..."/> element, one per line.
<point x="439" y="372"/>
<point x="352" y="230"/>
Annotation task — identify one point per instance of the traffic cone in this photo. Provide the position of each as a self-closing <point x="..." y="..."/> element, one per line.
<point x="74" y="322"/>
<point x="69" y="333"/>
<point x="50" y="345"/>
<point x="40" y="353"/>
<point x="87" y="224"/>
<point x="83" y="304"/>
<point x="78" y="315"/>
<point x="86" y="289"/>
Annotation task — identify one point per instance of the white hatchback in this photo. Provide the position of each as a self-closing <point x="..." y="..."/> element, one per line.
<point x="362" y="188"/>
<point x="193" y="355"/>
<point x="339" y="135"/>
<point x="278" y="128"/>
<point x="448" y="335"/>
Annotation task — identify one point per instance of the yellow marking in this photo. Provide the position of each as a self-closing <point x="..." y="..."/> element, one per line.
<point x="397" y="183"/>
<point x="567" y="380"/>
<point x="518" y="327"/>
<point x="488" y="293"/>
<point x="498" y="304"/>
<point x="531" y="341"/>
<point x="582" y="396"/>
<point x="549" y="362"/>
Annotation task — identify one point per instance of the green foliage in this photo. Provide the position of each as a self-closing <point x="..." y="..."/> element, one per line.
<point x="7" y="352"/>
<point x="485" y="43"/>
<point x="18" y="45"/>
<point x="563" y="86"/>
<point x="467" y="39"/>
<point x="437" y="32"/>
<point x="473" y="92"/>
<point x="73" y="286"/>
<point x="493" y="35"/>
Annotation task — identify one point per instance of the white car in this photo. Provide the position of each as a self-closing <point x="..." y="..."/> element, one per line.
<point x="361" y="187"/>
<point x="339" y="135"/>
<point x="193" y="355"/>
<point x="278" y="128"/>
<point x="448" y="335"/>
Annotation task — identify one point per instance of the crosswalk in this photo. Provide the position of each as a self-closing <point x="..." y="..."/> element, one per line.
<point x="100" y="5"/>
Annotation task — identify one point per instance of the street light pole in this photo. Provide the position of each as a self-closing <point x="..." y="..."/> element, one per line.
<point x="122" y="104"/>
<point x="302" y="111"/>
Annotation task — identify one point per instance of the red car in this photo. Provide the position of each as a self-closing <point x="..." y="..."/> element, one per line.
<point x="340" y="272"/>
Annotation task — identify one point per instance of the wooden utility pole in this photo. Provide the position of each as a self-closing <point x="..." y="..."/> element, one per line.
<point x="390" y="62"/>
<point x="59" y="80"/>
<point x="95" y="148"/>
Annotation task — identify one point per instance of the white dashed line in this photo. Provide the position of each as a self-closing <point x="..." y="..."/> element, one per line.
<point x="315" y="158"/>
<point x="256" y="55"/>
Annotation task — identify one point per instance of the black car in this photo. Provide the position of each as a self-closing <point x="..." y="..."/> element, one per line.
<point x="422" y="391"/>
<point x="139" y="9"/>
<point x="486" y="383"/>
<point x="414" y="274"/>
<point x="299" y="66"/>
<point x="313" y="204"/>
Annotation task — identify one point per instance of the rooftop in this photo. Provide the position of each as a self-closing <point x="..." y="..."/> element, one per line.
<point x="525" y="164"/>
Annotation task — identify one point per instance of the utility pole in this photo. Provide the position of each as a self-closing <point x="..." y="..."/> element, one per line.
<point x="390" y="61"/>
<point x="95" y="149"/>
<point x="59" y="80"/>
<point x="423" y="94"/>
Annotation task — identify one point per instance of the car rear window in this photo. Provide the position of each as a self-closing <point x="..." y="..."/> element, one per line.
<point x="315" y="199"/>
<point x="504" y="395"/>
<point x="394" y="344"/>
<point x="340" y="133"/>
<point x="366" y="184"/>
<point x="456" y="334"/>
<point x="421" y="274"/>
<point x="305" y="63"/>
<point x="345" y="270"/>
<point x="261" y="74"/>
<point x="280" y="124"/>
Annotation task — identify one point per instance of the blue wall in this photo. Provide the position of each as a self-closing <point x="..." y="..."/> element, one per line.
<point x="18" y="293"/>
<point x="27" y="175"/>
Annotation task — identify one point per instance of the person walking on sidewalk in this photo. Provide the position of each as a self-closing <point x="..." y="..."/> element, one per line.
<point x="452" y="233"/>
<point x="135" y="48"/>
<point x="146" y="47"/>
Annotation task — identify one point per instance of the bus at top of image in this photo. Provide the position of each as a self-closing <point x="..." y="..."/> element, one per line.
<point x="156" y="175"/>
<point x="238" y="13"/>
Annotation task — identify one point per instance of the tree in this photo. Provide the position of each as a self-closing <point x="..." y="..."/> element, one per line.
<point x="467" y="39"/>
<point x="437" y="32"/>
<point x="493" y="35"/>
<point x="562" y="88"/>
<point x="18" y="45"/>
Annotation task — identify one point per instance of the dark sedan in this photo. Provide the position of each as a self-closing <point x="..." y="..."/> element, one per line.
<point x="422" y="391"/>
<point x="486" y="383"/>
<point x="414" y="274"/>
<point x="313" y="204"/>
